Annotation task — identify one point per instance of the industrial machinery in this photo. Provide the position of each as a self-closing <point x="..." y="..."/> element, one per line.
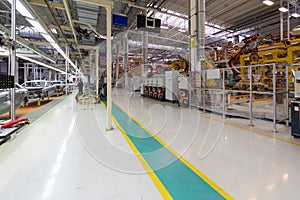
<point x="162" y="86"/>
<point x="183" y="91"/>
<point x="171" y="85"/>
<point x="295" y="113"/>
<point x="154" y="87"/>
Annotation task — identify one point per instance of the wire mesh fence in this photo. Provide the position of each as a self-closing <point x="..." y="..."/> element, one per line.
<point x="257" y="92"/>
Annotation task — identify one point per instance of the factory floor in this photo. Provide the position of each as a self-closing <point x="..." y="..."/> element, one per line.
<point x="156" y="150"/>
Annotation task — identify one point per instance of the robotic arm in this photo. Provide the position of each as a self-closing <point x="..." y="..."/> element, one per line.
<point x="250" y="46"/>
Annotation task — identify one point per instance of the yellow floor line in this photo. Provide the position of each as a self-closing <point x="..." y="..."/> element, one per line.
<point x="161" y="188"/>
<point x="236" y="126"/>
<point x="187" y="163"/>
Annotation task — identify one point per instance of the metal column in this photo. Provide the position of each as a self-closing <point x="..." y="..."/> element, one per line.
<point x="287" y="94"/>
<point x="67" y="67"/>
<point x="145" y="48"/>
<point x="193" y="34"/>
<point x="201" y="31"/>
<point x="25" y="72"/>
<point x="40" y="73"/>
<point x="274" y="99"/>
<point x="288" y="22"/>
<point x="126" y="60"/>
<point x="108" y="65"/>
<point x="224" y="100"/>
<point x="50" y="75"/>
<point x="117" y="67"/>
<point x="251" y="98"/>
<point x="97" y="69"/>
<point x="13" y="60"/>
<point x="281" y="22"/>
<point x="145" y="44"/>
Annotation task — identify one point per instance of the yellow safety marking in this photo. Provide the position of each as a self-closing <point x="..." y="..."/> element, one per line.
<point x="187" y="163"/>
<point x="238" y="126"/>
<point x="161" y="188"/>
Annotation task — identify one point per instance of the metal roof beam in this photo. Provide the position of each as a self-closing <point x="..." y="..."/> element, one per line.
<point x="27" y="44"/>
<point x="48" y="44"/>
<point x="102" y="3"/>
<point x="65" y="28"/>
<point x="71" y="24"/>
<point x="42" y="3"/>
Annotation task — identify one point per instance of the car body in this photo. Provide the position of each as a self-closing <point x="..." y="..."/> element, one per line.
<point x="71" y="86"/>
<point x="39" y="88"/>
<point x="295" y="31"/>
<point x="60" y="85"/>
<point x="21" y="96"/>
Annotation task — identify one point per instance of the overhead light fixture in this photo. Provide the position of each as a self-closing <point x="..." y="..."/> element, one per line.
<point x="40" y="63"/>
<point x="268" y="2"/>
<point x="164" y="27"/>
<point x="29" y="17"/>
<point x="296" y="15"/>
<point x="22" y="9"/>
<point x="57" y="47"/>
<point x="283" y="9"/>
<point x="182" y="30"/>
<point x="53" y="30"/>
<point x="37" y="25"/>
<point x="48" y="38"/>
<point x="28" y="47"/>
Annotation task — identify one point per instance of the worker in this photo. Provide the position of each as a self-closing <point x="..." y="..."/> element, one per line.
<point x="80" y="89"/>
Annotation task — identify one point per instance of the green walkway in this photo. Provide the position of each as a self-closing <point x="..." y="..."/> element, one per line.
<point x="178" y="179"/>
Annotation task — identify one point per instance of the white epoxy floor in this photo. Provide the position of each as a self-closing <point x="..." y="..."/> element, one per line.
<point x="67" y="154"/>
<point x="246" y="164"/>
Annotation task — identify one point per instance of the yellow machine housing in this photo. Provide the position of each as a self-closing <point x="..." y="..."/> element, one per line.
<point x="288" y="54"/>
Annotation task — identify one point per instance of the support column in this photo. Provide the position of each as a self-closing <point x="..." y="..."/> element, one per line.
<point x="117" y="67"/>
<point x="50" y="75"/>
<point x="13" y="60"/>
<point x="41" y="73"/>
<point x="193" y="35"/>
<point x="281" y="21"/>
<point x="145" y="47"/>
<point x="125" y="62"/>
<point x="91" y="66"/>
<point x="25" y="72"/>
<point x="288" y="22"/>
<point x="201" y="32"/>
<point x="17" y="72"/>
<point x="97" y="70"/>
<point x="236" y="39"/>
<point x="67" y="67"/>
<point x="108" y="65"/>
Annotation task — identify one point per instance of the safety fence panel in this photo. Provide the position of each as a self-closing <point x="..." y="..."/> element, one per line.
<point x="257" y="92"/>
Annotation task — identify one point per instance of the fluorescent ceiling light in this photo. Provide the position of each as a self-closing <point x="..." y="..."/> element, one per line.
<point x="296" y="15"/>
<point x="37" y="25"/>
<point x="48" y="38"/>
<point x="182" y="30"/>
<point x="24" y="45"/>
<point x="40" y="63"/>
<point x="57" y="47"/>
<point x="268" y="2"/>
<point x="53" y="30"/>
<point x="29" y="17"/>
<point x="164" y="27"/>
<point x="22" y="9"/>
<point x="283" y="9"/>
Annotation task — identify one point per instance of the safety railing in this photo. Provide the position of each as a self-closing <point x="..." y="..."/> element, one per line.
<point x="257" y="92"/>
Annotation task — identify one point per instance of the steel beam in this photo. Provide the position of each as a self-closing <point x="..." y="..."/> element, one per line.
<point x="27" y="44"/>
<point x="42" y="3"/>
<point x="102" y="3"/>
